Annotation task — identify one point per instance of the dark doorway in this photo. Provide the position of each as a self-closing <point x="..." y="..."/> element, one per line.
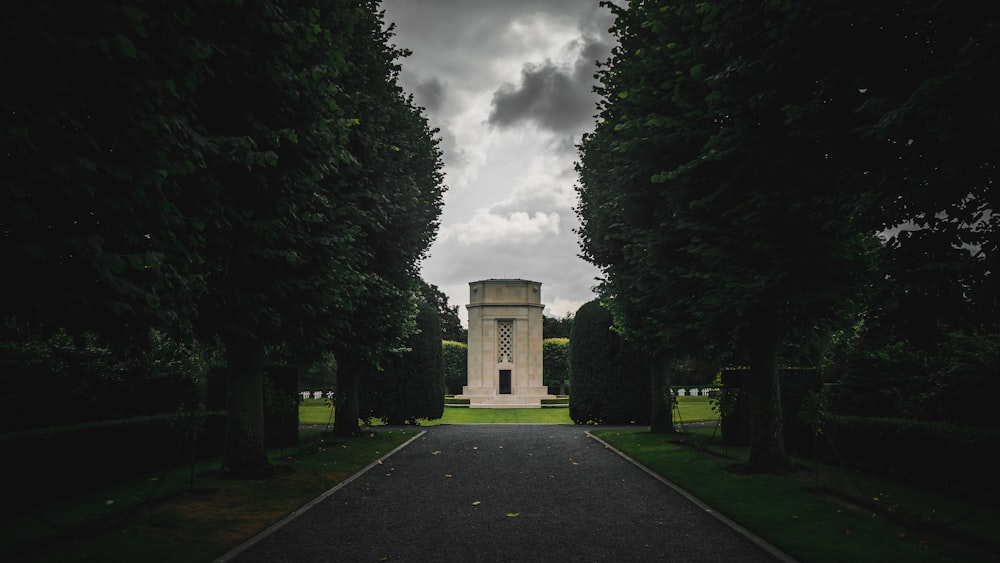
<point x="505" y="382"/>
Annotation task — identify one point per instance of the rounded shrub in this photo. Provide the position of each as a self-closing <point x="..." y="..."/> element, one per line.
<point x="609" y="381"/>
<point x="411" y="384"/>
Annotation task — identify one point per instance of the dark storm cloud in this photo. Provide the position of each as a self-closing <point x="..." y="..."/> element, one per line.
<point x="429" y="94"/>
<point x="557" y="98"/>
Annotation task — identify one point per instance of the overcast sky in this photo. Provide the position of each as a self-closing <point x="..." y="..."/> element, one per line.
<point x="509" y="84"/>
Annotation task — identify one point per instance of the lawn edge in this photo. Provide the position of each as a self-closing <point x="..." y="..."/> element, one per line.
<point x="754" y="538"/>
<point x="293" y="515"/>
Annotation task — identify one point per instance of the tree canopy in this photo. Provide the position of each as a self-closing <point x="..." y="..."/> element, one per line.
<point x="250" y="172"/>
<point x="746" y="156"/>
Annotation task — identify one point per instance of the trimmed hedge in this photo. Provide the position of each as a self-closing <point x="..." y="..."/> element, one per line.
<point x="411" y="384"/>
<point x="609" y="378"/>
<point x="48" y="463"/>
<point x="945" y="456"/>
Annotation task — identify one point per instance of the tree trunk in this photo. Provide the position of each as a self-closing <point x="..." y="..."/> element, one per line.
<point x="767" y="437"/>
<point x="661" y="413"/>
<point x="347" y="408"/>
<point x="244" y="454"/>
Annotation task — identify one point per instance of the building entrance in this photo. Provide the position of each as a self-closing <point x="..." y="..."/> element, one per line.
<point x="504" y="388"/>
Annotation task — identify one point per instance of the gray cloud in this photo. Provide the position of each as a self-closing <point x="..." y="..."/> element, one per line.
<point x="429" y="94"/>
<point x="504" y="177"/>
<point x="557" y="98"/>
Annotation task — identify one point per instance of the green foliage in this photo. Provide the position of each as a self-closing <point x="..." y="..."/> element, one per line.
<point x="898" y="447"/>
<point x="555" y="362"/>
<point x="250" y="172"/>
<point x="411" y="384"/>
<point x="745" y="157"/>
<point x="398" y="186"/>
<point x="951" y="380"/>
<point x="83" y="380"/>
<point x="320" y="375"/>
<point x="557" y="327"/>
<point x="608" y="376"/>
<point x="95" y="151"/>
<point x="451" y="325"/>
<point x="455" y="363"/>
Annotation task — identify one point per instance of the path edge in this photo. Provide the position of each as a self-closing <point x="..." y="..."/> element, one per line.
<point x="754" y="538"/>
<point x="293" y="515"/>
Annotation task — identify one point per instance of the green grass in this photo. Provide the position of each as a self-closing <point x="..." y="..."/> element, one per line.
<point x="694" y="409"/>
<point x="690" y="409"/>
<point x="857" y="517"/>
<point x="163" y="518"/>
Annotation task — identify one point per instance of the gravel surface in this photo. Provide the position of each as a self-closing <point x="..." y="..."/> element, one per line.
<point x="509" y="493"/>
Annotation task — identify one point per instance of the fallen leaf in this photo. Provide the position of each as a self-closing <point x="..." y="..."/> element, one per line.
<point x="436" y="452"/>
<point x="447" y="474"/>
<point x="475" y="503"/>
<point x="513" y="514"/>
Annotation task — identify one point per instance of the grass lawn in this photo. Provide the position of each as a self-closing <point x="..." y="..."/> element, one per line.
<point x="690" y="409"/>
<point x="163" y="518"/>
<point x="857" y="517"/>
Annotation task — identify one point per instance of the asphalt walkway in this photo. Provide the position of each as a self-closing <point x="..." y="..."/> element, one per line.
<point x="512" y="493"/>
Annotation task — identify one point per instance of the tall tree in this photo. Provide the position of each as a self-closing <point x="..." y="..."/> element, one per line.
<point x="451" y="325"/>
<point x="398" y="169"/>
<point x="278" y="218"/>
<point x="710" y="203"/>
<point x="250" y="168"/>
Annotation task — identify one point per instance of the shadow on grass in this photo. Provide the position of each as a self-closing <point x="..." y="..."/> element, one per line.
<point x="819" y="513"/>
<point x="169" y="517"/>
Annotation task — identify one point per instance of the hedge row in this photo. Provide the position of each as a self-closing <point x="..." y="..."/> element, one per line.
<point x="609" y="377"/>
<point x="47" y="463"/>
<point x="946" y="456"/>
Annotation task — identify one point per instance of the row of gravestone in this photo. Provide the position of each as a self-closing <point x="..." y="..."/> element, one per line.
<point x="316" y="394"/>
<point x="696" y="392"/>
<point x="679" y="392"/>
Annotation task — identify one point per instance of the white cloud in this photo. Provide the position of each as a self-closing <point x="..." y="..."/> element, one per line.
<point x="560" y="307"/>
<point x="518" y="227"/>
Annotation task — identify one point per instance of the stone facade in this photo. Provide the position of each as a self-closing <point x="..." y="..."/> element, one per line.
<point x="505" y="344"/>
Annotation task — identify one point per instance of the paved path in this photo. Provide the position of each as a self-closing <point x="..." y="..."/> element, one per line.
<point x="512" y="493"/>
